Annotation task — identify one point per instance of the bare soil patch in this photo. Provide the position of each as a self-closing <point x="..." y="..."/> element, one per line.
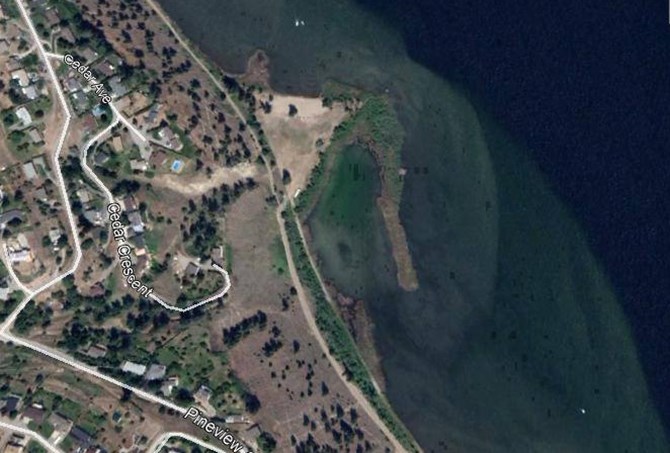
<point x="296" y="140"/>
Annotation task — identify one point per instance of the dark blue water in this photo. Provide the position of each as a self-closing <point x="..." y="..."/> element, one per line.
<point x="585" y="85"/>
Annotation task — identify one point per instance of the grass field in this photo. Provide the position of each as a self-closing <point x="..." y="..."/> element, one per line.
<point x="279" y="263"/>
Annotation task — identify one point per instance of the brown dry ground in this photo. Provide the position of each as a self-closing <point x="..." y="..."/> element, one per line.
<point x="293" y="139"/>
<point x="285" y="398"/>
<point x="198" y="183"/>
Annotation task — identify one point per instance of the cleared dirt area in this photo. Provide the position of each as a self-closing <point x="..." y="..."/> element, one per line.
<point x="296" y="140"/>
<point x="199" y="184"/>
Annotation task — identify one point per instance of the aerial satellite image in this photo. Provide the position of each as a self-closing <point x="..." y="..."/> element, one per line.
<point x="334" y="226"/>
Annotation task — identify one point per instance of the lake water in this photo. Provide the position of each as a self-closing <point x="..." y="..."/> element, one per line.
<point x="515" y="340"/>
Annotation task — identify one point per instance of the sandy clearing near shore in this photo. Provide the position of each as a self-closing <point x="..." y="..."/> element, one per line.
<point x="293" y="139"/>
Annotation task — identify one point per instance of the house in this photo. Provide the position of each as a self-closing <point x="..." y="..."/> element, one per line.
<point x="139" y="243"/>
<point x="217" y="256"/>
<point x="67" y="35"/>
<point x="30" y="92"/>
<point x="21" y="77"/>
<point x="192" y="269"/>
<point x="138" y="165"/>
<point x="20" y="256"/>
<point x="134" y="368"/>
<point x="203" y="394"/>
<point x="72" y="84"/>
<point x="4" y="46"/>
<point x="158" y="158"/>
<point x="117" y="144"/>
<point x="94" y="216"/>
<point x="135" y="219"/>
<point x="105" y="68"/>
<point x="170" y="139"/>
<point x="23" y="114"/>
<point x="100" y="158"/>
<point x="156" y="372"/>
<point x="129" y="204"/>
<point x="97" y="290"/>
<point x="169" y="385"/>
<point x="81" y="437"/>
<point x="150" y="117"/>
<point x="55" y="234"/>
<point x="16" y="443"/>
<point x="117" y="87"/>
<point x="96" y="351"/>
<point x="59" y="422"/>
<point x="79" y="100"/>
<point x="34" y="413"/>
<point x="89" y="55"/>
<point x="40" y="163"/>
<point x="83" y="195"/>
<point x="10" y="403"/>
<point x="98" y="110"/>
<point x="142" y="262"/>
<point x="235" y="419"/>
<point x="29" y="171"/>
<point x="61" y="426"/>
<point x="8" y="216"/>
<point x="35" y="136"/>
<point x="23" y="241"/>
<point x="52" y="17"/>
<point x="41" y="194"/>
<point x="11" y="447"/>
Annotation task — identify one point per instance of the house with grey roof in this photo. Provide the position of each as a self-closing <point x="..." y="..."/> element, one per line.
<point x="134" y="368"/>
<point x="156" y="372"/>
<point x="8" y="216"/>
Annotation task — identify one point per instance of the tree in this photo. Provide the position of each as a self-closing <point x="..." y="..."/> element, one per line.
<point x="266" y="442"/>
<point x="251" y="402"/>
<point x="292" y="110"/>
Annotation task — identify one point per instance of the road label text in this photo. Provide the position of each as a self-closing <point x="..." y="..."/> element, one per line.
<point x="97" y="87"/>
<point x="223" y="434"/>
<point x="123" y="250"/>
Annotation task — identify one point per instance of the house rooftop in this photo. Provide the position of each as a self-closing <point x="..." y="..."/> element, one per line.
<point x="34" y="413"/>
<point x="59" y="422"/>
<point x="156" y="372"/>
<point x="134" y="368"/>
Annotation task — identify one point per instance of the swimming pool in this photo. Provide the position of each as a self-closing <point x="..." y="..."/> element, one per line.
<point x="177" y="165"/>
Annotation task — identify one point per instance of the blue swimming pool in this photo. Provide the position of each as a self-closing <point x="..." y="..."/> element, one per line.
<point x="177" y="166"/>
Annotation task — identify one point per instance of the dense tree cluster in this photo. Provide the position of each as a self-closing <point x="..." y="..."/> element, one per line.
<point x="232" y="335"/>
